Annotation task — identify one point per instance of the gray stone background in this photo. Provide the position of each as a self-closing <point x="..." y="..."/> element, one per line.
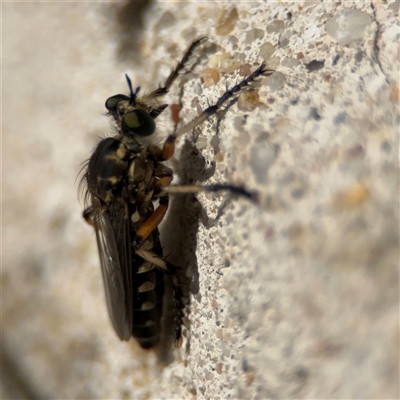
<point x="297" y="297"/>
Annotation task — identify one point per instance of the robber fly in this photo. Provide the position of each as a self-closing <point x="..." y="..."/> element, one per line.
<point x="124" y="178"/>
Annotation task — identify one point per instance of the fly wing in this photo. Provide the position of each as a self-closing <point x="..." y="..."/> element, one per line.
<point x="112" y="233"/>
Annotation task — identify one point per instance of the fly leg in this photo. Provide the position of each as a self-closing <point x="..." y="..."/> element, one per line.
<point x="151" y="224"/>
<point x="175" y="73"/>
<point x="163" y="186"/>
<point x="169" y="144"/>
<point x="164" y="178"/>
<point x="172" y="77"/>
<point x="262" y="70"/>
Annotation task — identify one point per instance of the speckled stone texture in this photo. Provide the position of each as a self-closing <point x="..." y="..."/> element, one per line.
<point x="297" y="297"/>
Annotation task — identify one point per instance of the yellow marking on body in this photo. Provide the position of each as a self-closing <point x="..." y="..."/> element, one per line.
<point x="153" y="258"/>
<point x="147" y="305"/>
<point x="146" y="287"/>
<point x="112" y="179"/>
<point x="112" y="157"/>
<point x="137" y="170"/>
<point x="146" y="267"/>
<point x="135" y="217"/>
<point x="121" y="152"/>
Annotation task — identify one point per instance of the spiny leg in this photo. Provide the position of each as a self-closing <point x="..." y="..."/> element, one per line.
<point x="169" y="145"/>
<point x="175" y="73"/>
<point x="157" y="111"/>
<point x="151" y="223"/>
<point x="220" y="114"/>
<point x="229" y="94"/>
<point x="164" y="178"/>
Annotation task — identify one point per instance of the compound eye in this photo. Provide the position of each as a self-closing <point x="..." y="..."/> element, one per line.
<point x="111" y="102"/>
<point x="139" y="123"/>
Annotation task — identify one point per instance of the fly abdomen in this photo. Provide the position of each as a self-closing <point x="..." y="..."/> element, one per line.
<point x="148" y="292"/>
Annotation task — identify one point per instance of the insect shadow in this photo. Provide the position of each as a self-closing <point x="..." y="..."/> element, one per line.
<point x="179" y="236"/>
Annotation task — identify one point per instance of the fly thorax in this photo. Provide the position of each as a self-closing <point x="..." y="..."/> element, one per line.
<point x="107" y="168"/>
<point x="140" y="177"/>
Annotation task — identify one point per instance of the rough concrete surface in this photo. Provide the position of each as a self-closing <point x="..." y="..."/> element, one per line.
<point x="296" y="297"/>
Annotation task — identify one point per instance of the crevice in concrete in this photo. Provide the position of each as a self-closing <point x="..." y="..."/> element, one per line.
<point x="376" y="48"/>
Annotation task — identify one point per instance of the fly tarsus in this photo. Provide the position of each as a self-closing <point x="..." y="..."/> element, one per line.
<point x="262" y="70"/>
<point x="175" y="73"/>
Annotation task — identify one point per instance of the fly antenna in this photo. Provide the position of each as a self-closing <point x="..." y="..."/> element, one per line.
<point x="132" y="94"/>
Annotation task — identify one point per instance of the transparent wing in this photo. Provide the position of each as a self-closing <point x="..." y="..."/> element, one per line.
<point x="112" y="235"/>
